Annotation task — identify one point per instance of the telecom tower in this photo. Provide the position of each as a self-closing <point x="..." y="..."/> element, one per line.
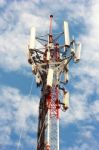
<point x="50" y="65"/>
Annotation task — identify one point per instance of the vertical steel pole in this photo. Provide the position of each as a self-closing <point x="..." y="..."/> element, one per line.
<point x="51" y="16"/>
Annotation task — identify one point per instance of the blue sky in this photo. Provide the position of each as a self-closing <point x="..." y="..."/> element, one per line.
<point x="79" y="126"/>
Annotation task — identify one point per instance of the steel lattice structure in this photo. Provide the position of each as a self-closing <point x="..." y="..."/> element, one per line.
<point x="50" y="67"/>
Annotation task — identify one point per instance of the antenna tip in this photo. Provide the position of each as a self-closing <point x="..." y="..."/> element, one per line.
<point x="51" y="16"/>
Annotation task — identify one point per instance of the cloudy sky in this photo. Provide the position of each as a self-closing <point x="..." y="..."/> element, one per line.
<point x="79" y="126"/>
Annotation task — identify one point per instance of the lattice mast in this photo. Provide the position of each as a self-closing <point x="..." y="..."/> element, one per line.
<point x="50" y="67"/>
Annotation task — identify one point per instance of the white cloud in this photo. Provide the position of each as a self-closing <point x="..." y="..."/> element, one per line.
<point x="77" y="111"/>
<point x="87" y="71"/>
<point x="2" y="3"/>
<point x="17" y="112"/>
<point x="90" y="39"/>
<point x="95" y="110"/>
<point x="5" y="132"/>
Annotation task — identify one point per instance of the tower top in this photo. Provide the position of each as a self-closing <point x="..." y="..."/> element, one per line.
<point x="51" y="16"/>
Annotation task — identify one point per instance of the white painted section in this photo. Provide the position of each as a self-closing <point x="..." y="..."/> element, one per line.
<point x="50" y="77"/>
<point x="66" y="33"/>
<point x="78" y="52"/>
<point x="48" y="55"/>
<point x="32" y="38"/>
<point x="66" y="99"/>
<point x="57" y="134"/>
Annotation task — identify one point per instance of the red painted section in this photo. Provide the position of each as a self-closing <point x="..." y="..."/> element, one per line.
<point x="47" y="147"/>
<point x="52" y="102"/>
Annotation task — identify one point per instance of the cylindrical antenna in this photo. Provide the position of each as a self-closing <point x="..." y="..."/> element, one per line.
<point x="32" y="38"/>
<point x="66" y="34"/>
<point x="50" y="32"/>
